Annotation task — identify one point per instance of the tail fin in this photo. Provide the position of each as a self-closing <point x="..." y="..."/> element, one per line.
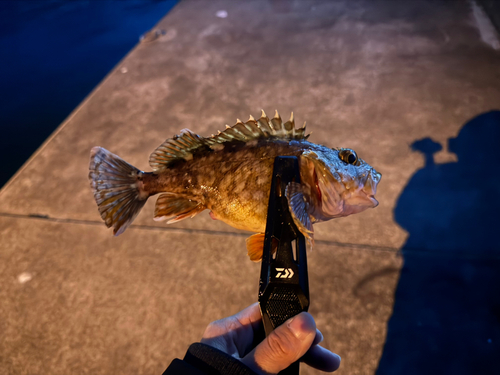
<point x="116" y="188"/>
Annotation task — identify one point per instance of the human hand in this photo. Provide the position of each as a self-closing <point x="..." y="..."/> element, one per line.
<point x="295" y="339"/>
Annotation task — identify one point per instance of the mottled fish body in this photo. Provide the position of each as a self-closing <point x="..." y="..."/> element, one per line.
<point x="230" y="175"/>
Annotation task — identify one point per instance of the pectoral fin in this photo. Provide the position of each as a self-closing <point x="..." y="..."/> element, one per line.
<point x="298" y="206"/>
<point x="174" y="208"/>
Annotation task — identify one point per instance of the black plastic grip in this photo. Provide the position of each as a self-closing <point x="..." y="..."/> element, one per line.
<point x="284" y="285"/>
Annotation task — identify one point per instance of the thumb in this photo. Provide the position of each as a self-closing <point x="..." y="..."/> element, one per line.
<point x="285" y="345"/>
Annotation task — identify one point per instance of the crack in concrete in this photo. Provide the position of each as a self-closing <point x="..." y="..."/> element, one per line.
<point x="353" y="246"/>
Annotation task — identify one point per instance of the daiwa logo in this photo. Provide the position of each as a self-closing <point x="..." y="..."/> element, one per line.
<point x="284" y="273"/>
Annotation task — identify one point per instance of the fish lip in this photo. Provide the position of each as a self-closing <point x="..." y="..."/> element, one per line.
<point x="370" y="189"/>
<point x="371" y="198"/>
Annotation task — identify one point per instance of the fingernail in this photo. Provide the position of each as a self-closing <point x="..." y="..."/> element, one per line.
<point x="299" y="326"/>
<point x="295" y="326"/>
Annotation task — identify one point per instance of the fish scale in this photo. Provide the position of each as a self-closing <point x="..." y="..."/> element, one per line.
<point x="230" y="175"/>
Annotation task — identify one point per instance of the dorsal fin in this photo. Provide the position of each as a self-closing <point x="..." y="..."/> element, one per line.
<point x="182" y="146"/>
<point x="258" y="129"/>
<point x="179" y="147"/>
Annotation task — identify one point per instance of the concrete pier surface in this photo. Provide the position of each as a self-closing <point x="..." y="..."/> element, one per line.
<point x="410" y="287"/>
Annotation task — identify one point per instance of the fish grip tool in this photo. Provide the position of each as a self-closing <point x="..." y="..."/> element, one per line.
<point x="284" y="284"/>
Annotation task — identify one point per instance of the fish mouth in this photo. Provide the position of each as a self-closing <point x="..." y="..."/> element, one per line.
<point x="370" y="199"/>
<point x="331" y="196"/>
<point x="369" y="189"/>
<point x="359" y="202"/>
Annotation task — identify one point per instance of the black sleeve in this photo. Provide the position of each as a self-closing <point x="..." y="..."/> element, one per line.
<point x="203" y="359"/>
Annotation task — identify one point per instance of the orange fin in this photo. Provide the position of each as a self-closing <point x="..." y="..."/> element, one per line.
<point x="298" y="208"/>
<point x="255" y="246"/>
<point x="174" y="208"/>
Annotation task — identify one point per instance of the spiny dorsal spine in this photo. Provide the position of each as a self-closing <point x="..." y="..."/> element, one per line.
<point x="261" y="128"/>
<point x="182" y="146"/>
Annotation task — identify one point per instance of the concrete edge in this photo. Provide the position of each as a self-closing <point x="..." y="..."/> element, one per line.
<point x="73" y="113"/>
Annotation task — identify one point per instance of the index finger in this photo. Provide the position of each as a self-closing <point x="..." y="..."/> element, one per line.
<point x="250" y="315"/>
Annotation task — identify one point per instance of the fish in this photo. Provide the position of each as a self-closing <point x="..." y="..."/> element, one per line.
<point x="230" y="174"/>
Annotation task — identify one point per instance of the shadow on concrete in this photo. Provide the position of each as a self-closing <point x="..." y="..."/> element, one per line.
<point x="492" y="9"/>
<point x="446" y="317"/>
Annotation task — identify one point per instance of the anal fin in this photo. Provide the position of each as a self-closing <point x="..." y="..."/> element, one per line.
<point x="174" y="208"/>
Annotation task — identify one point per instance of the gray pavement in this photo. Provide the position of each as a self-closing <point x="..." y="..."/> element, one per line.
<point x="371" y="75"/>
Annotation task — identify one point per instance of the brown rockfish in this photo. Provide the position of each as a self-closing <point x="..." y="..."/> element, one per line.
<point x="230" y="175"/>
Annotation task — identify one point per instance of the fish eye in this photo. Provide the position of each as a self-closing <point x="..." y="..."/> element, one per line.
<point x="348" y="156"/>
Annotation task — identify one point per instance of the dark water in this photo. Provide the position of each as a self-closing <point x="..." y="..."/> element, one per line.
<point x="52" y="54"/>
<point x="446" y="317"/>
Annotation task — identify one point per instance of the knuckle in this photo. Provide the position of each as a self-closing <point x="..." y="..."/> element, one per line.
<point x="221" y="327"/>
<point x="281" y="345"/>
<point x="209" y="330"/>
<point x="231" y="324"/>
<point x="214" y="328"/>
